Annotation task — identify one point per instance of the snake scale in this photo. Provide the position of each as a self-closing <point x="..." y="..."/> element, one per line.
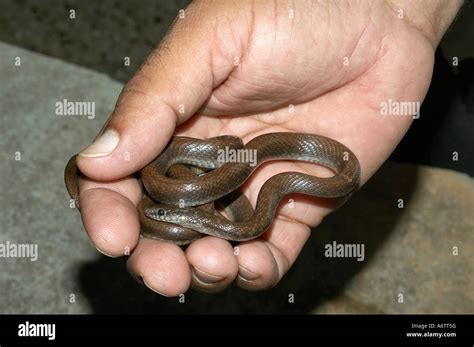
<point x="183" y="182"/>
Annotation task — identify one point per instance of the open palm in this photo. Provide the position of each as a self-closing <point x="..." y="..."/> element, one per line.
<point x="244" y="70"/>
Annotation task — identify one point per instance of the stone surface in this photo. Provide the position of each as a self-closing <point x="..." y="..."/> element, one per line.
<point x="411" y="251"/>
<point x="34" y="203"/>
<point x="408" y="250"/>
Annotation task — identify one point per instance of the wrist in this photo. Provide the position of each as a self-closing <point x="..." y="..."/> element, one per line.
<point x="431" y="18"/>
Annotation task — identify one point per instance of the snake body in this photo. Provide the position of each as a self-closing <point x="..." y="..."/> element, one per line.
<point x="171" y="181"/>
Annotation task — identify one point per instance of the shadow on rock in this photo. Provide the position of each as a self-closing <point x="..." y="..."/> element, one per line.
<point x="368" y="219"/>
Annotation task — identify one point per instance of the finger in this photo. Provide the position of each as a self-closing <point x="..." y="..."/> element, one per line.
<point x="109" y="214"/>
<point x="263" y="262"/>
<point x="161" y="266"/>
<point x="176" y="79"/>
<point x="213" y="264"/>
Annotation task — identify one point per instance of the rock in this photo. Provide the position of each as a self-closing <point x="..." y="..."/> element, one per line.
<point x="421" y="251"/>
<point x="34" y="202"/>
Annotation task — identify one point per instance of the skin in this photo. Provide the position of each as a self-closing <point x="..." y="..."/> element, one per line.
<point x="281" y="61"/>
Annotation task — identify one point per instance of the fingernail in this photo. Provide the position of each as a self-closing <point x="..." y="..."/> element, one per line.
<point x="103" y="145"/>
<point x="107" y="255"/>
<point x="205" y="277"/>
<point x="140" y="278"/>
<point x="102" y="252"/>
<point x="247" y="275"/>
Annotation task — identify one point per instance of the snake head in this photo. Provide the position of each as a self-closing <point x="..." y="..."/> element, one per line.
<point x="156" y="213"/>
<point x="186" y="217"/>
<point x="163" y="213"/>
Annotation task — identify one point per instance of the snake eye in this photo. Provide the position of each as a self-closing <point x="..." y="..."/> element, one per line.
<point x="161" y="212"/>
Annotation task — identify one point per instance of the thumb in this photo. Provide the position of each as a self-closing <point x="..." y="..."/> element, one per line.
<point x="171" y="85"/>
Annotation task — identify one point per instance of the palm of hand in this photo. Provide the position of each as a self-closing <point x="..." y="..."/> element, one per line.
<point x="328" y="81"/>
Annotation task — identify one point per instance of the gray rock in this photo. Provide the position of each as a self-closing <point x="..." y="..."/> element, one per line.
<point x="422" y="251"/>
<point x="34" y="203"/>
<point x="408" y="251"/>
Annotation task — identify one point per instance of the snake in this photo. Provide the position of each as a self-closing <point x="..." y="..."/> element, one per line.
<point x="191" y="178"/>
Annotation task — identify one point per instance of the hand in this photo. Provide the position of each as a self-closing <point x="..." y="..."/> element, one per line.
<point x="247" y="68"/>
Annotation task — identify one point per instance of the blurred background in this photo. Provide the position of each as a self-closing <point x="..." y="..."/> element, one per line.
<point x="409" y="251"/>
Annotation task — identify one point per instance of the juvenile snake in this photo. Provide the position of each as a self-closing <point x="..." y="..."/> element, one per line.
<point x="192" y="172"/>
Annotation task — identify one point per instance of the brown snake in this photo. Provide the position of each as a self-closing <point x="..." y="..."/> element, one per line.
<point x="192" y="172"/>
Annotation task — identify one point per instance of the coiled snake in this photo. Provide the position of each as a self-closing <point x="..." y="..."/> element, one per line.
<point x="192" y="172"/>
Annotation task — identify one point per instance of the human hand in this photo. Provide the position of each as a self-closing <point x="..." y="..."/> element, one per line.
<point x="247" y="68"/>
